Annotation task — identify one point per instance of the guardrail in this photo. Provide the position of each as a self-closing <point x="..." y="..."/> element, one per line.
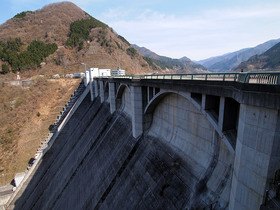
<point x="271" y="78"/>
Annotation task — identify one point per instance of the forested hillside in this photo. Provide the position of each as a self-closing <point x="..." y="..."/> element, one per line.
<point x="268" y="61"/>
<point x="19" y="59"/>
<point x="230" y="61"/>
<point x="157" y="62"/>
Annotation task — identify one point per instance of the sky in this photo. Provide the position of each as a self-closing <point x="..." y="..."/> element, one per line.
<point x="197" y="29"/>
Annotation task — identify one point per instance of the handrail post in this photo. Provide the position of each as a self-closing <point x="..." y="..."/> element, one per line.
<point x="247" y="78"/>
<point x="271" y="78"/>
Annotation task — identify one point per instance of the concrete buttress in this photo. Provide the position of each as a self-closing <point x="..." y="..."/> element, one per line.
<point x="257" y="135"/>
<point x="112" y="97"/>
<point x="137" y="111"/>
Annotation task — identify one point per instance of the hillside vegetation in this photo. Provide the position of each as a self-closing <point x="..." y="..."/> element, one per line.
<point x="51" y="23"/>
<point x="163" y="63"/>
<point x="53" y="40"/>
<point x="21" y="60"/>
<point x="80" y="30"/>
<point x="26" y="114"/>
<point x="268" y="61"/>
<point x="80" y="39"/>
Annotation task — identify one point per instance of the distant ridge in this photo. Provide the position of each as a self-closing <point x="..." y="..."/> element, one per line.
<point x="183" y="65"/>
<point x="268" y="61"/>
<point x="230" y="61"/>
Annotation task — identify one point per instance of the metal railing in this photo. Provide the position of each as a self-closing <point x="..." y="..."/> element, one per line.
<point x="271" y="78"/>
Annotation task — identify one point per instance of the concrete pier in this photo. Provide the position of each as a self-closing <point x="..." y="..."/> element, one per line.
<point x="136" y="111"/>
<point x="112" y="97"/>
<point x="256" y="158"/>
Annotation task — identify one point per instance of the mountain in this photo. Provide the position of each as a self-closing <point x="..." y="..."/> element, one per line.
<point x="53" y="40"/>
<point x="80" y="39"/>
<point x="230" y="61"/>
<point x="51" y="23"/>
<point x="185" y="58"/>
<point x="183" y="65"/>
<point x="268" y="61"/>
<point x="146" y="52"/>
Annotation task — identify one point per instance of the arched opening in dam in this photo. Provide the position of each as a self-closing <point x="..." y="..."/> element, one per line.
<point x="185" y="144"/>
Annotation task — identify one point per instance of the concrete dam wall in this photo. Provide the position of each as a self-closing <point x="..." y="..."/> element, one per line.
<point x="179" y="162"/>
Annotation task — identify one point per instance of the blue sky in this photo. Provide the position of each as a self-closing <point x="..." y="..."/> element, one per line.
<point x="197" y="29"/>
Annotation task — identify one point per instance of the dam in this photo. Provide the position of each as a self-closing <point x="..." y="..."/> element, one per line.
<point x="209" y="141"/>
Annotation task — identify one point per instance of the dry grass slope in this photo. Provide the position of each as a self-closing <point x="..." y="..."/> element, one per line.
<point x="26" y="114"/>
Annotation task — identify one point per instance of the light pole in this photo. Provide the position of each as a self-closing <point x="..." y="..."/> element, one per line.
<point x="90" y="81"/>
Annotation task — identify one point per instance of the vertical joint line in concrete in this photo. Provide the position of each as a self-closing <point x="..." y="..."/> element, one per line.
<point x="221" y="113"/>
<point x="203" y="102"/>
<point x="112" y="97"/>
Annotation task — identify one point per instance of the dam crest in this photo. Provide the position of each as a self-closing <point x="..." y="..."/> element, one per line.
<point x="160" y="143"/>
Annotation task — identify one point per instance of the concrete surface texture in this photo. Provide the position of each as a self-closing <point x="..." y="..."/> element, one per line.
<point x="257" y="155"/>
<point x="5" y="194"/>
<point x="126" y="102"/>
<point x="104" y="158"/>
<point x="182" y="126"/>
<point x="96" y="162"/>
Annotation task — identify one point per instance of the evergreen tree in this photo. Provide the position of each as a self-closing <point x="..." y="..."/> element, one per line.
<point x="80" y="30"/>
<point x="5" y="69"/>
<point x="31" y="58"/>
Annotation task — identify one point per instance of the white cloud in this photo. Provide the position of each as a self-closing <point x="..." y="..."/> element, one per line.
<point x="210" y="33"/>
<point x="116" y="13"/>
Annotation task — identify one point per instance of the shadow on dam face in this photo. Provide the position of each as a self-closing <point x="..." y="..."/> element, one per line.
<point x="95" y="163"/>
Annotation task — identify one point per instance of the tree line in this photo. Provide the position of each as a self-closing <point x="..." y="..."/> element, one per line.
<point x="18" y="60"/>
<point x="80" y="30"/>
